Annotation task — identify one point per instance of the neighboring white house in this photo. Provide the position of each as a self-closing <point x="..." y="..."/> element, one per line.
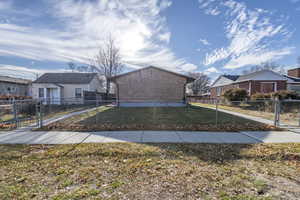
<point x="57" y="88"/>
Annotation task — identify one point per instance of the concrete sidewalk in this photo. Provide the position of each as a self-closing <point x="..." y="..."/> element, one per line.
<point x="55" y="137"/>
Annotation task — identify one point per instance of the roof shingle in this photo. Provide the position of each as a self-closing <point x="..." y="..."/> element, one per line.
<point x="66" y="78"/>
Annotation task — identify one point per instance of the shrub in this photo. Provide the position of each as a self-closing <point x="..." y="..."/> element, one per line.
<point x="235" y="94"/>
<point x="260" y="96"/>
<point x="285" y="94"/>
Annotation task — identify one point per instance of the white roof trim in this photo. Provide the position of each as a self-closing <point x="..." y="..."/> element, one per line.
<point x="227" y="81"/>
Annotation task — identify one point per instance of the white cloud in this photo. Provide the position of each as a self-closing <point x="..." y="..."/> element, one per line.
<point x="255" y="59"/>
<point x="7" y="4"/>
<point x="188" y="67"/>
<point x="213" y="11"/>
<point x="204" y="42"/>
<point x="211" y="70"/>
<point x="138" y="26"/>
<point x="216" y="55"/>
<point x="165" y="37"/>
<point x="250" y="34"/>
<point x="23" y="72"/>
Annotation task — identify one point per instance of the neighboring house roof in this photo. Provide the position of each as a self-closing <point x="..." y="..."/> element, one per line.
<point x="292" y="79"/>
<point x="224" y="80"/>
<point x="189" y="79"/>
<point x="232" y="77"/>
<point x="261" y="75"/>
<point x="14" y="80"/>
<point x="66" y="78"/>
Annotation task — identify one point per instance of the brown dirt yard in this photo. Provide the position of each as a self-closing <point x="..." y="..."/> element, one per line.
<point x="192" y="118"/>
<point x="150" y="171"/>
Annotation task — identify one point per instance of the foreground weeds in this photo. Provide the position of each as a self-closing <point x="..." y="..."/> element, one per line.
<point x="150" y="171"/>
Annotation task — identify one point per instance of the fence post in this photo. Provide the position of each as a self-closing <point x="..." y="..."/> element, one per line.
<point x="277" y="112"/>
<point x="15" y="113"/>
<point x="41" y="114"/>
<point x="37" y="114"/>
<point x="97" y="105"/>
<point x="216" y="102"/>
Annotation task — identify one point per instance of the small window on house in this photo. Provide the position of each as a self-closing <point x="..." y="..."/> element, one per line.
<point x="78" y="92"/>
<point x="41" y="92"/>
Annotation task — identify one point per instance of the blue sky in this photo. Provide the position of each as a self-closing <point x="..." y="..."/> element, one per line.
<point x="211" y="36"/>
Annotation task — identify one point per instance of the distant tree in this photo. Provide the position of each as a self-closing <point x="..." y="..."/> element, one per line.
<point x="108" y="61"/>
<point x="80" y="68"/>
<point x="71" y="66"/>
<point x="266" y="66"/>
<point x="83" y="68"/>
<point x="298" y="61"/>
<point x="201" y="83"/>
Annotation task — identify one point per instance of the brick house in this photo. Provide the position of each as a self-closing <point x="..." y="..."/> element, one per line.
<point x="293" y="82"/>
<point x="151" y="86"/>
<point x="264" y="81"/>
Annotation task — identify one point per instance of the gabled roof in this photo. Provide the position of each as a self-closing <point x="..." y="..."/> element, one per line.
<point x="224" y="80"/>
<point x="66" y="78"/>
<point x="14" y="80"/>
<point x="189" y="79"/>
<point x="255" y="75"/>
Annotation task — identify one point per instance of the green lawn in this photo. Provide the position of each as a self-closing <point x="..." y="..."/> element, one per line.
<point x="156" y="118"/>
<point x="150" y="171"/>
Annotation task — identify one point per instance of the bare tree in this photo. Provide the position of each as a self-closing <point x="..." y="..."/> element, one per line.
<point x="201" y="83"/>
<point x="71" y="66"/>
<point x="107" y="61"/>
<point x="80" y="68"/>
<point x="265" y="66"/>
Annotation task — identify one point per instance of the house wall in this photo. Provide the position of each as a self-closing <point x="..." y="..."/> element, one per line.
<point x="36" y="86"/>
<point x="294" y="72"/>
<point x="7" y="88"/>
<point x="294" y="87"/>
<point x="68" y="89"/>
<point x="151" y="85"/>
<point x="213" y="92"/>
<point x="96" y="85"/>
<point x="256" y="86"/>
<point x="244" y="85"/>
<point x="224" y="88"/>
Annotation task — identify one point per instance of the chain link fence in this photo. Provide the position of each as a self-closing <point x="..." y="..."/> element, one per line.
<point x="205" y="114"/>
<point x="279" y="112"/>
<point x="22" y="113"/>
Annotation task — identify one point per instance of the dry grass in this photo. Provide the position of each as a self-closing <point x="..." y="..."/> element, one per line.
<point x="290" y="118"/>
<point x="150" y="171"/>
<point x="163" y="118"/>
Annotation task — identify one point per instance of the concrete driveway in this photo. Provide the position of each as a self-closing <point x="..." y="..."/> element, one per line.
<point x="54" y="137"/>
